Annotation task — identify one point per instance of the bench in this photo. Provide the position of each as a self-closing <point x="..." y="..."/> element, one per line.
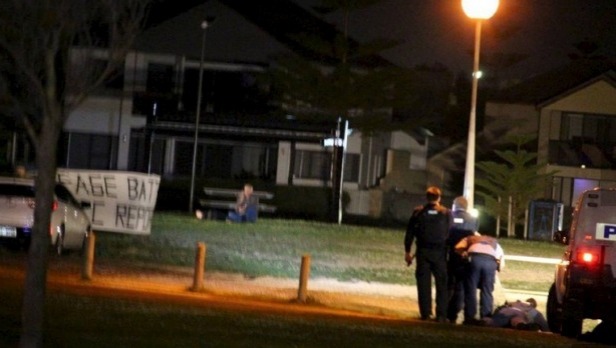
<point x="218" y="202"/>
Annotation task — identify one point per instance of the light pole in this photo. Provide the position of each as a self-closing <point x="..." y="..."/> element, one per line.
<point x="345" y="137"/>
<point x="204" y="25"/>
<point x="479" y="10"/>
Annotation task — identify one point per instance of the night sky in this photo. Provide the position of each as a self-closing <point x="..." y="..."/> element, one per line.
<point x="439" y="31"/>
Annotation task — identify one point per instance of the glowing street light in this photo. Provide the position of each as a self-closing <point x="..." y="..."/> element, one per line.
<point x="478" y="10"/>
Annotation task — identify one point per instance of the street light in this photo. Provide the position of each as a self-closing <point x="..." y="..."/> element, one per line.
<point x="478" y="10"/>
<point x="204" y="25"/>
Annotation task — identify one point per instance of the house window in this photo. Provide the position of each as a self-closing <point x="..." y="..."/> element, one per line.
<point x="351" y="167"/>
<point x="160" y="78"/>
<point x="312" y="165"/>
<point x="585" y="139"/>
<point x="184" y="159"/>
<point x="114" y="79"/>
<point x="254" y="161"/>
<point x="595" y="129"/>
<point x="224" y="92"/>
<point x="232" y="160"/>
<point x="146" y="158"/>
<point x="90" y="151"/>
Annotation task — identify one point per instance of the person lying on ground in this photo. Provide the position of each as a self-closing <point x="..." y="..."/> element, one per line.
<point x="519" y="315"/>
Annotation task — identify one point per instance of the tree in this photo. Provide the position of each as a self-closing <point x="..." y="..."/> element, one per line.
<point x="53" y="54"/>
<point x="344" y="78"/>
<point x="508" y="186"/>
<point x="338" y="78"/>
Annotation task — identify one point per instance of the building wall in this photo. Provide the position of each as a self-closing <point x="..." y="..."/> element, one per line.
<point x="598" y="98"/>
<point x="113" y="115"/>
<point x="372" y="150"/>
<point x="399" y="176"/>
<point x="107" y="116"/>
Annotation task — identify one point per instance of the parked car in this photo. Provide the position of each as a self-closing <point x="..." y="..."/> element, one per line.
<point x="584" y="283"/>
<point x="69" y="223"/>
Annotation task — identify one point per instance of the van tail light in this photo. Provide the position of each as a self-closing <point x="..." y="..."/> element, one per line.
<point x="591" y="257"/>
<point x="587" y="257"/>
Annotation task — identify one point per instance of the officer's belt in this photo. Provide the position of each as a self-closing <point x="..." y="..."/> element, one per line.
<point x="427" y="245"/>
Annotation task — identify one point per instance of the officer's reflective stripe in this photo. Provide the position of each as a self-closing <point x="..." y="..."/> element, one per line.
<point x="458" y="220"/>
<point x="432" y="212"/>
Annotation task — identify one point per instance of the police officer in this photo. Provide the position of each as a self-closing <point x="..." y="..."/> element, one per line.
<point x="463" y="225"/>
<point x="429" y="225"/>
<point x="485" y="257"/>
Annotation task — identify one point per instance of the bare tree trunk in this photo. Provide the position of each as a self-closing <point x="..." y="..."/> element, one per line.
<point x="498" y="220"/>
<point x="510" y="223"/>
<point x="36" y="273"/>
<point x="526" y="223"/>
<point x="36" y="53"/>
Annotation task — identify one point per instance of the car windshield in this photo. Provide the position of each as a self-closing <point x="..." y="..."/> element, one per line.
<point x="16" y="190"/>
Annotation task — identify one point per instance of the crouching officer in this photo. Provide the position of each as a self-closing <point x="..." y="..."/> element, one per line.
<point x="429" y="225"/>
<point x="485" y="257"/>
<point x="462" y="226"/>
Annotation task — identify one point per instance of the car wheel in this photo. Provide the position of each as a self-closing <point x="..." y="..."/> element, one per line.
<point x="572" y="318"/>
<point x="571" y="327"/>
<point x="59" y="245"/>
<point x="554" y="311"/>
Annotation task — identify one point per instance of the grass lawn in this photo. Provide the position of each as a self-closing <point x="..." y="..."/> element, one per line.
<point x="274" y="247"/>
<point x="93" y="322"/>
<point x="270" y="247"/>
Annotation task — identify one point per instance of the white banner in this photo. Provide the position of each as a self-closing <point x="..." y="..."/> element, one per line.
<point x="122" y="202"/>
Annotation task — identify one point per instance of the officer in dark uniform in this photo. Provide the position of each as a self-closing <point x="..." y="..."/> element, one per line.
<point x="429" y="225"/>
<point x="463" y="225"/>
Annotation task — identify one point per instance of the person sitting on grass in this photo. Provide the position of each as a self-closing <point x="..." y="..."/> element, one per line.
<point x="246" y="206"/>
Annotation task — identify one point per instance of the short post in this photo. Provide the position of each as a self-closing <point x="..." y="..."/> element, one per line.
<point x="303" y="279"/>
<point x="88" y="259"/>
<point x="199" y="267"/>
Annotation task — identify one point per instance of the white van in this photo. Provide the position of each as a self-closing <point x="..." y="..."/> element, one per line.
<point x="584" y="283"/>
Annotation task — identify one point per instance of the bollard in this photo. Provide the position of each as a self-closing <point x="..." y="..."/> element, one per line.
<point x="88" y="258"/>
<point x="303" y="279"/>
<point x="199" y="267"/>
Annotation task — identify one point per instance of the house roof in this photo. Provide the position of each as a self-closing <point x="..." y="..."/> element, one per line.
<point x="544" y="87"/>
<point x="283" y="20"/>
